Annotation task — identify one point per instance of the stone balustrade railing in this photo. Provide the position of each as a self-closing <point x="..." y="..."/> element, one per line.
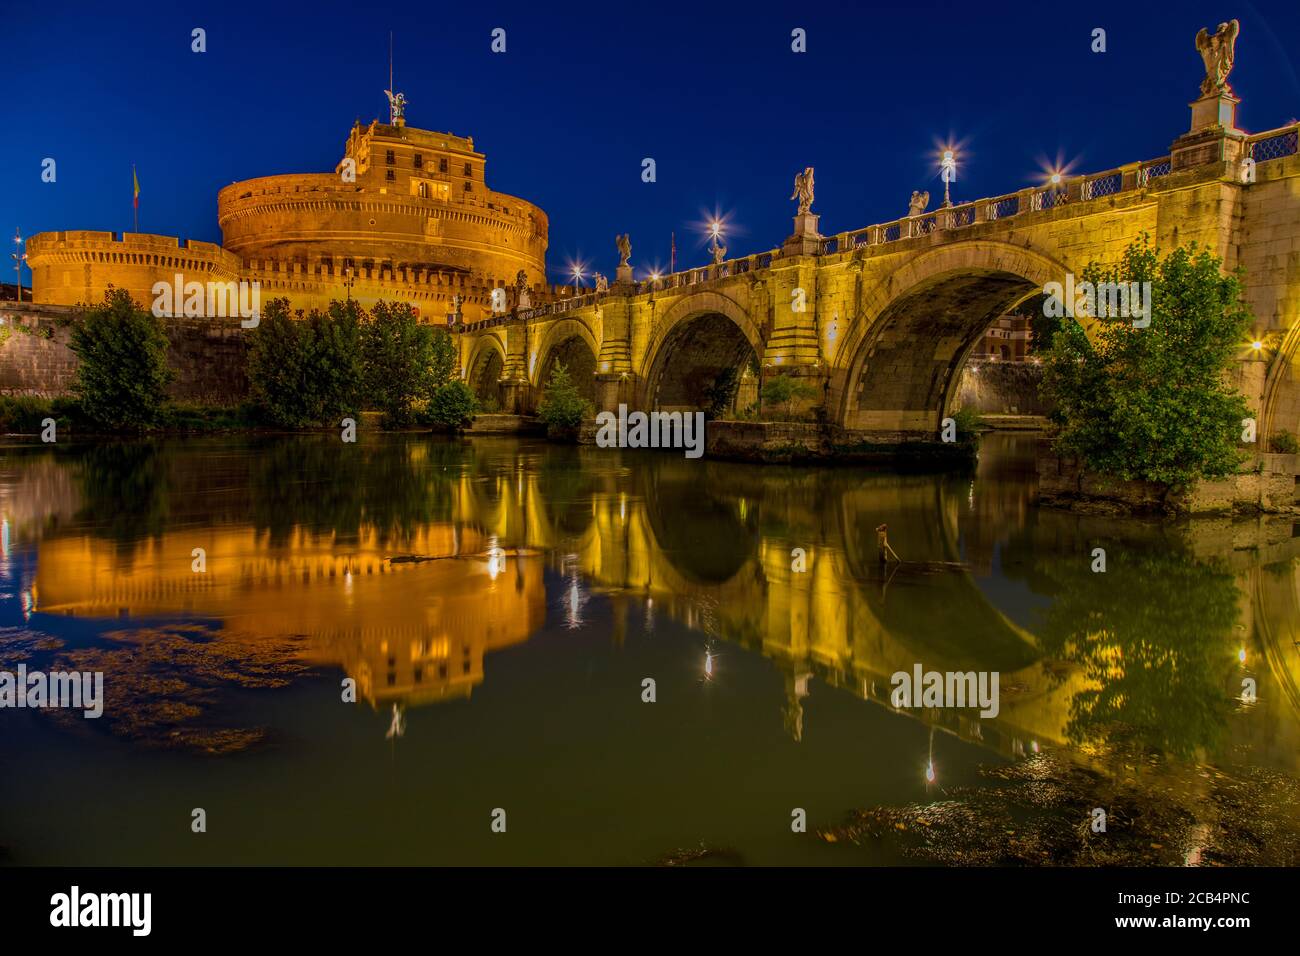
<point x="1273" y="144"/>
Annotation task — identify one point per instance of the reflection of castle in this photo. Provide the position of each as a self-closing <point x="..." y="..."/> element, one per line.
<point x="414" y="632"/>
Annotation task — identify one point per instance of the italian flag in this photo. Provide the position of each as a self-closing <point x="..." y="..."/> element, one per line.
<point x="135" y="198"/>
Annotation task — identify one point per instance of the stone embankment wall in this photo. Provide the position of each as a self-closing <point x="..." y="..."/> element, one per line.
<point x="1269" y="485"/>
<point x="206" y="355"/>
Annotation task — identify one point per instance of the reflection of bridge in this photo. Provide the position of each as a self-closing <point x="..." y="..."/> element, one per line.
<point x="710" y="548"/>
<point x="882" y="319"/>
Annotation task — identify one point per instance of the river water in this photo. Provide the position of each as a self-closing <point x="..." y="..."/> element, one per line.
<point x="503" y="610"/>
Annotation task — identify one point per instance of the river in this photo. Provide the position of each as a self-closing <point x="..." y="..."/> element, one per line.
<point x="573" y="655"/>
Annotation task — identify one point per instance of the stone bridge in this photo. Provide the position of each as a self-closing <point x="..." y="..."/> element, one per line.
<point x="881" y="320"/>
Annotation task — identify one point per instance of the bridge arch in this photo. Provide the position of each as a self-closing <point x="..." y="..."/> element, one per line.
<point x="484" y="367"/>
<point x="899" y="364"/>
<point x="697" y="339"/>
<point x="573" y="343"/>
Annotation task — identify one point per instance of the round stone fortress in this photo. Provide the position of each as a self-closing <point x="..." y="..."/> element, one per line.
<point x="405" y="216"/>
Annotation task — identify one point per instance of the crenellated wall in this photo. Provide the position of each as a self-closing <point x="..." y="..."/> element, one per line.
<point x="407" y="215"/>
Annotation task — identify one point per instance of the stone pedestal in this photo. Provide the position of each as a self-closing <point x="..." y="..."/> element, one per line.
<point x="1219" y="110"/>
<point x="806" y="240"/>
<point x="1213" y="137"/>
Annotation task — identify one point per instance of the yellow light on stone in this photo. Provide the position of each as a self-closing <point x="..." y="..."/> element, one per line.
<point x="1257" y="345"/>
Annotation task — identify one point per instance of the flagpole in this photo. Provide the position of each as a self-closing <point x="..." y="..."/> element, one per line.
<point x="135" y="199"/>
<point x="672" y="261"/>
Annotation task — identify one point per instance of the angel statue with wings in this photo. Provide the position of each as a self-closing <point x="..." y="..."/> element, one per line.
<point x="803" y="190"/>
<point x="396" y="105"/>
<point x="1218" y="53"/>
<point x="624" y="243"/>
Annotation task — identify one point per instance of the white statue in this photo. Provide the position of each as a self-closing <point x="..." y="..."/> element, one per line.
<point x="803" y="190"/>
<point x="602" y="284"/>
<point x="919" y="201"/>
<point x="719" y="254"/>
<point x="396" y="105"/>
<point x="624" y="243"/>
<point x="1218" y="53"/>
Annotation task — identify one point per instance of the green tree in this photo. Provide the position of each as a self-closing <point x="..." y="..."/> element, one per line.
<point x="279" y="367"/>
<point x="786" y="390"/>
<point x="399" y="359"/>
<point x="452" y="405"/>
<point x="1154" y="403"/>
<point x="562" y="408"/>
<point x="442" y="355"/>
<point x="122" y="372"/>
<point x="722" y="393"/>
<point x="336" y="368"/>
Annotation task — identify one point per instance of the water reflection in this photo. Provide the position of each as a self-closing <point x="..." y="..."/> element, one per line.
<point x="406" y="563"/>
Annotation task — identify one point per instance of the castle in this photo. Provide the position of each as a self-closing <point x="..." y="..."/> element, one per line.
<point x="406" y="215"/>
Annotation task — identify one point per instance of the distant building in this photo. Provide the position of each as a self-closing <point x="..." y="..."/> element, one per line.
<point x="1007" y="340"/>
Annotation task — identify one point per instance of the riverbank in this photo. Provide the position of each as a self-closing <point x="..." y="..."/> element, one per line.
<point x="1266" y="486"/>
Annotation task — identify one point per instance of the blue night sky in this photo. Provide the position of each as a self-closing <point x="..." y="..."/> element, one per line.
<point x="584" y="92"/>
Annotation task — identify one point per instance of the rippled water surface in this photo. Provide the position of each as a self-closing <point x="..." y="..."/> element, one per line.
<point x="501" y="603"/>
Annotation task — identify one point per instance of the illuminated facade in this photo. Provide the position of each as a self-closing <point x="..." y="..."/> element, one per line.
<point x="406" y="216"/>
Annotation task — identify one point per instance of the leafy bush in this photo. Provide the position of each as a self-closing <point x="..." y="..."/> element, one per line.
<point x="967" y="421"/>
<point x="399" y="360"/>
<point x="786" y="390"/>
<point x="122" y="373"/>
<point x="1284" y="443"/>
<point x="452" y="405"/>
<point x="1154" y="403"/>
<point x="562" y="408"/>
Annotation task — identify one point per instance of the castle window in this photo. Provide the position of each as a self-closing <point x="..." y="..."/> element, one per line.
<point x="442" y="165"/>
<point x="388" y="157"/>
<point x="424" y="190"/>
<point x="390" y="175"/>
<point x="469" y="187"/>
<point x="469" y="171"/>
<point x="419" y="161"/>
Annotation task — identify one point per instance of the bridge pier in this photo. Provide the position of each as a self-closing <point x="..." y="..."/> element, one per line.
<point x="614" y="389"/>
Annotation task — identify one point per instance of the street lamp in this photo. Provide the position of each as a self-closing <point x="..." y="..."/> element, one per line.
<point x="577" y="278"/>
<point x="715" y="247"/>
<point x="948" y="171"/>
<point x="19" y="258"/>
